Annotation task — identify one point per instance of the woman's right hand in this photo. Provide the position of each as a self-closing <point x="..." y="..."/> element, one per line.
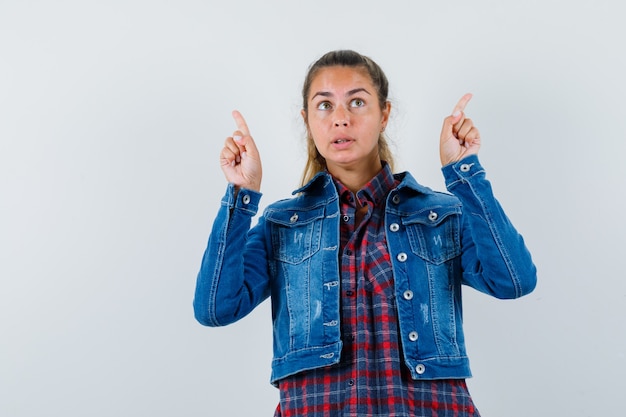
<point x="240" y="158"/>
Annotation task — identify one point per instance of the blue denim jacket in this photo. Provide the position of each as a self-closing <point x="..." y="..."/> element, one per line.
<point x="437" y="242"/>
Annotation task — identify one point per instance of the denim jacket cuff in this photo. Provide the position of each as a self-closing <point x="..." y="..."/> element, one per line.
<point x="242" y="199"/>
<point x="461" y="171"/>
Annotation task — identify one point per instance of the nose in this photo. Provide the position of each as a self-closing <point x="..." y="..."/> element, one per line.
<point x="342" y="118"/>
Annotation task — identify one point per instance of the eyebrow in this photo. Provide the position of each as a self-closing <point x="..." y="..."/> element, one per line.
<point x="348" y="94"/>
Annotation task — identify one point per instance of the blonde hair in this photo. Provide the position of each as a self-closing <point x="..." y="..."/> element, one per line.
<point x="347" y="58"/>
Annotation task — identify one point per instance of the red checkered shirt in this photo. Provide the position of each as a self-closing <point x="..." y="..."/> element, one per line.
<point x="371" y="378"/>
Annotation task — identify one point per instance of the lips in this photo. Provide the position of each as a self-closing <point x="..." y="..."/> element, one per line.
<point x="341" y="140"/>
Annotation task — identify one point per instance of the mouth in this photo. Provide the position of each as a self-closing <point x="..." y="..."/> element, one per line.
<point x="341" y="140"/>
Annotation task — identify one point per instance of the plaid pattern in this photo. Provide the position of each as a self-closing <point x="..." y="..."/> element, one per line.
<point x="371" y="379"/>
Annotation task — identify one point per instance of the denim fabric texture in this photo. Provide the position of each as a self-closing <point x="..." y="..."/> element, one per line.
<point x="437" y="241"/>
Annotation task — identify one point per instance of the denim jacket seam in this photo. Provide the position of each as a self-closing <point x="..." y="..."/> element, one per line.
<point x="217" y="271"/>
<point x="488" y="216"/>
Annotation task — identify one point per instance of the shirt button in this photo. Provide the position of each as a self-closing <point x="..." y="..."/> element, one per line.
<point x="245" y="199"/>
<point x="294" y="218"/>
<point x="465" y="167"/>
<point x="432" y="216"/>
<point x="395" y="199"/>
<point x="420" y="369"/>
<point x="413" y="336"/>
<point x="349" y="252"/>
<point x="349" y="293"/>
<point x="408" y="295"/>
<point x="402" y="257"/>
<point x="394" y="227"/>
<point x="351" y="382"/>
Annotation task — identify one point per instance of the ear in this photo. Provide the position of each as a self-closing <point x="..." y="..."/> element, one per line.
<point x="386" y="111"/>
<point x="306" y="122"/>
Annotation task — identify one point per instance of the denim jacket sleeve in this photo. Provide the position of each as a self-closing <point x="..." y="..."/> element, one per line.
<point x="495" y="259"/>
<point x="233" y="277"/>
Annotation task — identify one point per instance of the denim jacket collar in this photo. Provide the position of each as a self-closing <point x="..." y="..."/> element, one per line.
<point x="323" y="179"/>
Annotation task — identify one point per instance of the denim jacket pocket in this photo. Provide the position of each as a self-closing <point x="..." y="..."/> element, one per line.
<point x="434" y="234"/>
<point x="296" y="234"/>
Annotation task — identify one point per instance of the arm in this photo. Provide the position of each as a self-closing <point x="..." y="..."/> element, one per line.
<point x="233" y="277"/>
<point x="495" y="259"/>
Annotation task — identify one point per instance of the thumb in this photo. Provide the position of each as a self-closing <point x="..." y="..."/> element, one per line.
<point x="247" y="146"/>
<point x="456" y="116"/>
<point x="448" y="123"/>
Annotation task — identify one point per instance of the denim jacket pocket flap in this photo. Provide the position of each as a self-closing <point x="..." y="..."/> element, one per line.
<point x="434" y="234"/>
<point x="294" y="218"/>
<point x="296" y="234"/>
<point x="431" y="217"/>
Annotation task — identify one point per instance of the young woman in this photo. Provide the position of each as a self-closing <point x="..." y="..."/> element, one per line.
<point x="364" y="267"/>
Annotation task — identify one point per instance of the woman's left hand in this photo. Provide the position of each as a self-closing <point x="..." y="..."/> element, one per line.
<point x="459" y="136"/>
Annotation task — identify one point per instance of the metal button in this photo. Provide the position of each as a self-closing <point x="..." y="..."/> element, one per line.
<point x="245" y="199"/>
<point x="402" y="257"/>
<point x="420" y="369"/>
<point x="465" y="167"/>
<point x="346" y="218"/>
<point x="294" y="218"/>
<point x="395" y="199"/>
<point x="413" y="336"/>
<point x="432" y="216"/>
<point x="408" y="295"/>
<point x="394" y="227"/>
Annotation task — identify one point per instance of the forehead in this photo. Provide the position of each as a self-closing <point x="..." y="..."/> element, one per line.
<point x="340" y="78"/>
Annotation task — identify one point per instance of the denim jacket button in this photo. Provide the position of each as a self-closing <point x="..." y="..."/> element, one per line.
<point x="394" y="227"/>
<point x="413" y="336"/>
<point x="432" y="216"/>
<point x="408" y="295"/>
<point x="294" y="218"/>
<point x="245" y="199"/>
<point x="420" y="369"/>
<point x="402" y="257"/>
<point x="346" y="218"/>
<point x="465" y="167"/>
<point x="395" y="199"/>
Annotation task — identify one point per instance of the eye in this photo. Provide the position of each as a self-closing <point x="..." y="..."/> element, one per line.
<point x="357" y="102"/>
<point x="324" y="105"/>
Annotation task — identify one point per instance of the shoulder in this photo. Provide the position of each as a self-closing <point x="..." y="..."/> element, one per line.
<point x="411" y="190"/>
<point x="307" y="205"/>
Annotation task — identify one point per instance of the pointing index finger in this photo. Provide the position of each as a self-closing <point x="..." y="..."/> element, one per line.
<point x="460" y="106"/>
<point x="241" y="123"/>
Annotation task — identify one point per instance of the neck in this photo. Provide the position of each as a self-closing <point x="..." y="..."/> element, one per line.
<point x="354" y="178"/>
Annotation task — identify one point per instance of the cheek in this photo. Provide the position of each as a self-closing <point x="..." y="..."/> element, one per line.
<point x="315" y="129"/>
<point x="318" y="146"/>
<point x="315" y="136"/>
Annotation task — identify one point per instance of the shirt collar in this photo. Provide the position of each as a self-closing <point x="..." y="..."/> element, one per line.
<point x="323" y="179"/>
<point x="374" y="191"/>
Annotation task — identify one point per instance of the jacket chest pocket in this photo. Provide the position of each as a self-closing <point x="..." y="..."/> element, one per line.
<point x="296" y="234"/>
<point x="434" y="234"/>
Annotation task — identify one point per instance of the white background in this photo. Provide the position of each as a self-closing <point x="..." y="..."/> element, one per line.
<point x="112" y="115"/>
